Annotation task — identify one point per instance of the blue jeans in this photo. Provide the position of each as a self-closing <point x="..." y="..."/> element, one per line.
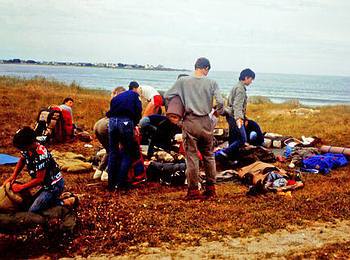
<point x="254" y="133"/>
<point x="48" y="197"/>
<point x="237" y="136"/>
<point x="121" y="133"/>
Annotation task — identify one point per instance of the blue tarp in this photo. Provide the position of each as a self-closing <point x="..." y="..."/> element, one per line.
<point x="8" y="159"/>
<point x="324" y="163"/>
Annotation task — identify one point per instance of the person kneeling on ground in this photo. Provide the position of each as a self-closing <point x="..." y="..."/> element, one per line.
<point x="125" y="112"/>
<point x="101" y="132"/>
<point x="42" y="168"/>
<point x="158" y="130"/>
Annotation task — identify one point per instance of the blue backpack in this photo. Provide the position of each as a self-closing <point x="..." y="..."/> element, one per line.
<point x="324" y="163"/>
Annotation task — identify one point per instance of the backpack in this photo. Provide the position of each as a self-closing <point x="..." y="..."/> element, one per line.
<point x="50" y="124"/>
<point x="172" y="174"/>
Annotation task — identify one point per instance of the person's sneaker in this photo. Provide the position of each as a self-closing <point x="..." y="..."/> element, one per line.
<point x="209" y="192"/>
<point x="194" y="195"/>
<point x="104" y="176"/>
<point x="97" y="174"/>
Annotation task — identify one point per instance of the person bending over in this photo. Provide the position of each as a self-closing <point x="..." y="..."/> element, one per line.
<point x="125" y="112"/>
<point x="42" y="168"/>
<point x="154" y="99"/>
<point x="101" y="132"/>
<point x="158" y="130"/>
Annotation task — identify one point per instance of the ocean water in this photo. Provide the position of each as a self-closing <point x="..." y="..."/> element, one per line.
<point x="309" y="90"/>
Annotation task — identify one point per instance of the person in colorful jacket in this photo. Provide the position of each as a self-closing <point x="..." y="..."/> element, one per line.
<point x="42" y="168"/>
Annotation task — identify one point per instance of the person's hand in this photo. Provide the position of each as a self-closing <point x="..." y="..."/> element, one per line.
<point x="16" y="187"/>
<point x="8" y="180"/>
<point x="239" y="122"/>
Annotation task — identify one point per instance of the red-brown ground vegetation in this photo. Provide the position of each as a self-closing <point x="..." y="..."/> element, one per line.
<point x="154" y="215"/>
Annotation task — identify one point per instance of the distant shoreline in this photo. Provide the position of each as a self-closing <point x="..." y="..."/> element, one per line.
<point x="91" y="65"/>
<point x="309" y="90"/>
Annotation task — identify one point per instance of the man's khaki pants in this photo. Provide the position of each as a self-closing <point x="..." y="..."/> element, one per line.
<point x="198" y="136"/>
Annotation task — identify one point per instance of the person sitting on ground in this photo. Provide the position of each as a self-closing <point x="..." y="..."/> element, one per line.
<point x="125" y="112"/>
<point x="154" y="99"/>
<point x="101" y="132"/>
<point x="236" y="115"/>
<point x="67" y="114"/>
<point x="43" y="170"/>
<point x="159" y="131"/>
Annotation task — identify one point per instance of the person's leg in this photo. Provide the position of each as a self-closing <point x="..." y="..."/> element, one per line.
<point x="48" y="198"/>
<point x="101" y="133"/>
<point x="252" y="137"/>
<point x="237" y="137"/>
<point x="104" y="140"/>
<point x="192" y="161"/>
<point x="205" y="146"/>
<point x="259" y="137"/>
<point x="128" y="151"/>
<point x="232" y="129"/>
<point x="114" y="157"/>
<point x="190" y="139"/>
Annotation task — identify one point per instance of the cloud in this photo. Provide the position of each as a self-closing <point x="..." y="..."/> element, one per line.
<point x="310" y="34"/>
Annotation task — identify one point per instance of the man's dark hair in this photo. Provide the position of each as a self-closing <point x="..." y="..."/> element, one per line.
<point x="202" y="63"/>
<point x="133" y="84"/>
<point x="24" y="137"/>
<point x="246" y="73"/>
<point x="67" y="99"/>
<point x="182" y="75"/>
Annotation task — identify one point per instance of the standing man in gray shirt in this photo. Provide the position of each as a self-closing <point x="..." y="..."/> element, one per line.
<point x="197" y="93"/>
<point x="236" y="115"/>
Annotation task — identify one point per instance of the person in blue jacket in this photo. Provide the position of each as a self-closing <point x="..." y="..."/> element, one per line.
<point x="125" y="112"/>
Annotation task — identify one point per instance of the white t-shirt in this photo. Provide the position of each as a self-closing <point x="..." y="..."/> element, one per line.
<point x="147" y="92"/>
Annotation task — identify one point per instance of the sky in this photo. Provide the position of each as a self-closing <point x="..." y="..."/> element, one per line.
<point x="276" y="36"/>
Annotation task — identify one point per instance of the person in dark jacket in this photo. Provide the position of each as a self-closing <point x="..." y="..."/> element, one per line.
<point x="125" y="112"/>
<point x="254" y="133"/>
<point x="158" y="130"/>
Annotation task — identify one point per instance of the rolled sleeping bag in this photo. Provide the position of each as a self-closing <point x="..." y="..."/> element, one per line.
<point x="335" y="149"/>
<point x="175" y="110"/>
<point x="9" y="201"/>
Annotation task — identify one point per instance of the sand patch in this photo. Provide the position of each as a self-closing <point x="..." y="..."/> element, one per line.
<point x="280" y="244"/>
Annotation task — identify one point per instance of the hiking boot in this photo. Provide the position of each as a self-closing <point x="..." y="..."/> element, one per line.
<point x="104" y="176"/>
<point x="97" y="174"/>
<point x="209" y="192"/>
<point x="194" y="194"/>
